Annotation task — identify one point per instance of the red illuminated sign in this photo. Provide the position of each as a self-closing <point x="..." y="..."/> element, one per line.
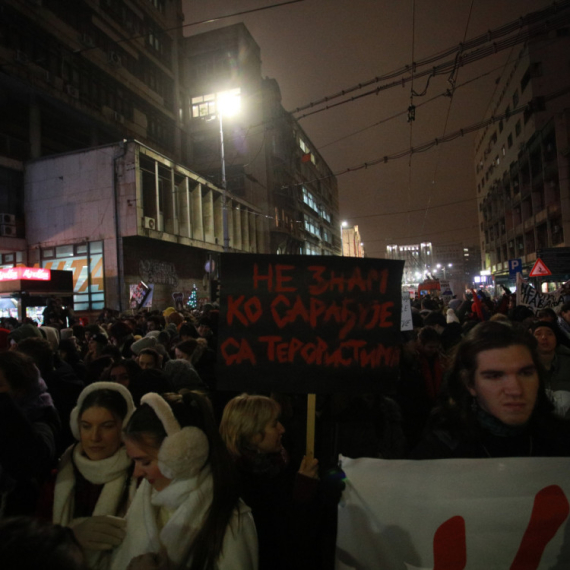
<point x="25" y="273"/>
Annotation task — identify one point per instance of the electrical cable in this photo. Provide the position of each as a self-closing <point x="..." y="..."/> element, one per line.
<point x="530" y="19"/>
<point x="444" y="68"/>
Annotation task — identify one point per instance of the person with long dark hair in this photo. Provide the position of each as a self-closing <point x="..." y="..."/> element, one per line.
<point x="493" y="402"/>
<point x="187" y="509"/>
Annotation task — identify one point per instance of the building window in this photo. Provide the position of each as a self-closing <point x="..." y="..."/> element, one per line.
<point x="86" y="262"/>
<point x="515" y="98"/>
<point x="510" y="140"/>
<point x="311" y="249"/>
<point x="312" y="226"/>
<point x="325" y="215"/>
<point x="518" y="128"/>
<point x="525" y="80"/>
<point x="204" y="106"/>
<point x="306" y="152"/>
<point x="309" y="199"/>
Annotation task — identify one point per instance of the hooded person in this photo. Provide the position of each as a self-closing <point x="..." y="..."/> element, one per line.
<point x="95" y="483"/>
<point x="188" y="507"/>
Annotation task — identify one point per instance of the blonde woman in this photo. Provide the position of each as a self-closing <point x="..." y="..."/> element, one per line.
<point x="284" y="502"/>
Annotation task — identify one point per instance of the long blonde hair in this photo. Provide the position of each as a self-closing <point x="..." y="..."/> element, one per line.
<point x="245" y="417"/>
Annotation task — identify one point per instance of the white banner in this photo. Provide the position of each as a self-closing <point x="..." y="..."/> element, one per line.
<point x="455" y="514"/>
<point x="529" y="296"/>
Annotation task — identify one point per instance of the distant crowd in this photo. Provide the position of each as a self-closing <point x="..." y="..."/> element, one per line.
<point x="119" y="451"/>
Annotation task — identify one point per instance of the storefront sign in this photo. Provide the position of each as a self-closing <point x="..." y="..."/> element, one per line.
<point x="25" y="273"/>
<point x="308" y="324"/>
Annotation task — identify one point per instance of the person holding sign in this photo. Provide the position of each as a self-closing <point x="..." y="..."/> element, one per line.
<point x="281" y="500"/>
<point x="494" y="402"/>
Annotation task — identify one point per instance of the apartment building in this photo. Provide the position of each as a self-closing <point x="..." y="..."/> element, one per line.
<point x="521" y="159"/>
<point x="115" y="83"/>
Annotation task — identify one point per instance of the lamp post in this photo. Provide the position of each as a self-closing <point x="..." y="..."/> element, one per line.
<point x="342" y="225"/>
<point x="228" y="103"/>
<point x="439" y="266"/>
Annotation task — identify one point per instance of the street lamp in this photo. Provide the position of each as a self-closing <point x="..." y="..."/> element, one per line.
<point x="228" y="103"/>
<point x="342" y="225"/>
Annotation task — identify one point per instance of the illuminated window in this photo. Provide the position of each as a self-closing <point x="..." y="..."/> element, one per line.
<point x="309" y="199"/>
<point x="204" y="106"/>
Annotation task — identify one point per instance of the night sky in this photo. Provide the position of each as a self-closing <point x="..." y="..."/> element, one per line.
<point x="318" y="48"/>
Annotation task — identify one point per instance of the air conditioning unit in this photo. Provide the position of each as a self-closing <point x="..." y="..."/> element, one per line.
<point x="114" y="58"/>
<point x="8" y="219"/>
<point x="8" y="231"/>
<point x="20" y="56"/>
<point x="149" y="223"/>
<point x="118" y="117"/>
<point x="87" y="40"/>
<point x="72" y="91"/>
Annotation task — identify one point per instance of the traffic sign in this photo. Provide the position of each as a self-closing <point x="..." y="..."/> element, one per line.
<point x="540" y="269"/>
<point x="515" y="266"/>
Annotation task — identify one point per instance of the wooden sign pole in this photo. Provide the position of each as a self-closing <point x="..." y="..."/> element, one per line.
<point x="311" y="401"/>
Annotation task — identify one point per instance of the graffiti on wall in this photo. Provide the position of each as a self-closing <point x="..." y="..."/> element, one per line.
<point x="160" y="272"/>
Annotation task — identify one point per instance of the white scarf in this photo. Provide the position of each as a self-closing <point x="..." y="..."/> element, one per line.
<point x="189" y="499"/>
<point x="110" y="472"/>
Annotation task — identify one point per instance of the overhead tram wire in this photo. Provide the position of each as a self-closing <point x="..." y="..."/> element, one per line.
<point x="441" y="69"/>
<point x="451" y="80"/>
<point x="509" y="28"/>
<point x="427" y="146"/>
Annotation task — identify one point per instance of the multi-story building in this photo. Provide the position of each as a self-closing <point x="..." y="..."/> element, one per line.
<point x="418" y="260"/>
<point x="457" y="262"/>
<point x="271" y="162"/>
<point x="79" y="77"/>
<point x="522" y="158"/>
<point x="352" y="245"/>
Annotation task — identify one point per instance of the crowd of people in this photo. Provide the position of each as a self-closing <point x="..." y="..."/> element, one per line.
<point x="119" y="452"/>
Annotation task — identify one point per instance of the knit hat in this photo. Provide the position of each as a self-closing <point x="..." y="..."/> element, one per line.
<point x="24" y="331"/>
<point x="168" y="311"/>
<point x="546" y="324"/>
<point x="74" y="416"/>
<point x="65" y="334"/>
<point x="451" y="316"/>
<point x="145" y="342"/>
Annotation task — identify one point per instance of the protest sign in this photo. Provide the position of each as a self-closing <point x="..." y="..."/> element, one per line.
<point x="529" y="296"/>
<point x="308" y="324"/>
<point x="406" y="322"/>
<point x="509" y="513"/>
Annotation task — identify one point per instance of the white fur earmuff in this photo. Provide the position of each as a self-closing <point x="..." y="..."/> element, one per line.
<point x="185" y="450"/>
<point x="74" y="416"/>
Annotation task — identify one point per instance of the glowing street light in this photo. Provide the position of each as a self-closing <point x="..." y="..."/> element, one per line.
<point x="228" y="104"/>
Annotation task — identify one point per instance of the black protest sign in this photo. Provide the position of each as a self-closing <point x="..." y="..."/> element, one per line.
<point x="308" y="324"/>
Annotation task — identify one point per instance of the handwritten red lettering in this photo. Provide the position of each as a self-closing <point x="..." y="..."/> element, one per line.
<point x="243" y="354"/>
<point x="322" y="285"/>
<point x="234" y="310"/>
<point x="257" y="277"/>
<point x="280" y="278"/>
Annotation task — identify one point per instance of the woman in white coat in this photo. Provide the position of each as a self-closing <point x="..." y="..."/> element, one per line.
<point x="95" y="483"/>
<point x="187" y="511"/>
